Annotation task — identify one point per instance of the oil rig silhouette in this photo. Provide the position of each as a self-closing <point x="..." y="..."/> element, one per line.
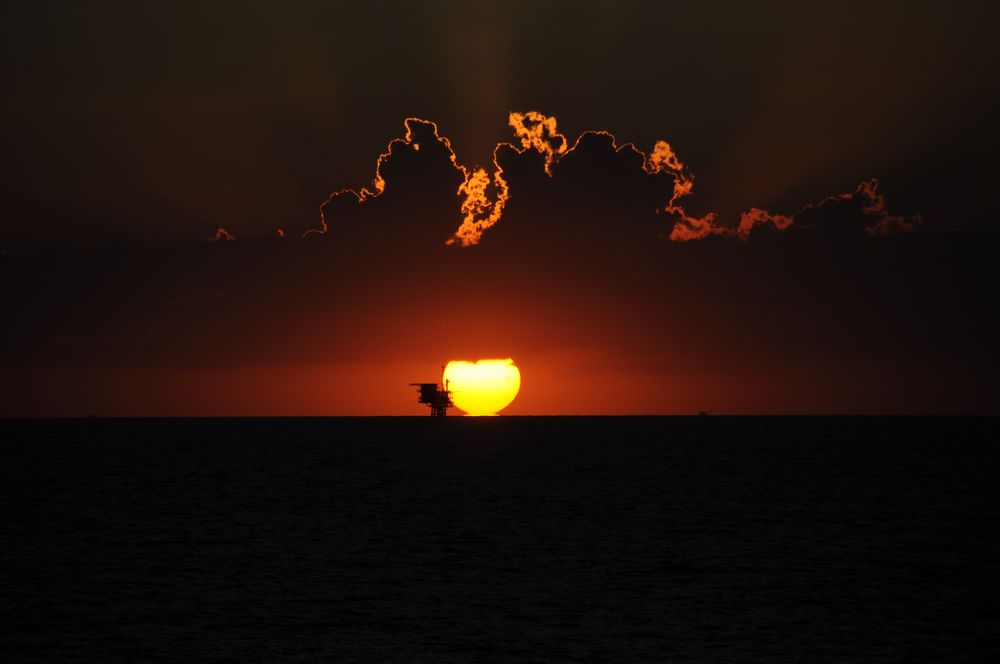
<point x="435" y="395"/>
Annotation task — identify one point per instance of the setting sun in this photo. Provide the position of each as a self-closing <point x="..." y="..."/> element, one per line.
<point x="484" y="387"/>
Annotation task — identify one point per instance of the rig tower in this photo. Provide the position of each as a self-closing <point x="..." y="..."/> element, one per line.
<point x="435" y="395"/>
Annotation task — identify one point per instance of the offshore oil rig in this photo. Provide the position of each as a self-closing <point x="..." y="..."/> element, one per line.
<point x="435" y="395"/>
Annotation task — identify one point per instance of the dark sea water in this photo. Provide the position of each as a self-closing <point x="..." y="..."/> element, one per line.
<point x="500" y="540"/>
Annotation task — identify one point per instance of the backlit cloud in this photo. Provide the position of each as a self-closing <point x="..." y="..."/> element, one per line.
<point x="485" y="192"/>
<point x="222" y="235"/>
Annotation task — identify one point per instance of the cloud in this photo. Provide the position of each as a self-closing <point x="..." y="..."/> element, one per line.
<point x="885" y="223"/>
<point x="479" y="212"/>
<point x="485" y="192"/>
<point x="378" y="182"/>
<point x="757" y="217"/>
<point x="873" y="205"/>
<point x="539" y="133"/>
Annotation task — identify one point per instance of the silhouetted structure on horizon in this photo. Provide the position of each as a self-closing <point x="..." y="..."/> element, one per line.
<point x="436" y="396"/>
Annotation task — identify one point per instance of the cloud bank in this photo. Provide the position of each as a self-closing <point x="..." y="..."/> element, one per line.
<point x="484" y="192"/>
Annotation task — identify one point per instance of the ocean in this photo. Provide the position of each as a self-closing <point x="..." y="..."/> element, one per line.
<point x="506" y="539"/>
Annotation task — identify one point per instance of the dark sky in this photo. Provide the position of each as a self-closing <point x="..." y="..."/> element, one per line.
<point x="134" y="130"/>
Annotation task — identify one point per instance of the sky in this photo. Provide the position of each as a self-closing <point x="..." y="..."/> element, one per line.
<point x="298" y="208"/>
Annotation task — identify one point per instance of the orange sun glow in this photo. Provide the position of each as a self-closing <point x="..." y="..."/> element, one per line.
<point x="484" y="387"/>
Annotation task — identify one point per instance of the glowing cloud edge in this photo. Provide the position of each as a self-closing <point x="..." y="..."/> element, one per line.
<point x="538" y="132"/>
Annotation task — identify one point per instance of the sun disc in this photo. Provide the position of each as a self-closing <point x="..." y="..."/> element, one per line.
<point x="484" y="387"/>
